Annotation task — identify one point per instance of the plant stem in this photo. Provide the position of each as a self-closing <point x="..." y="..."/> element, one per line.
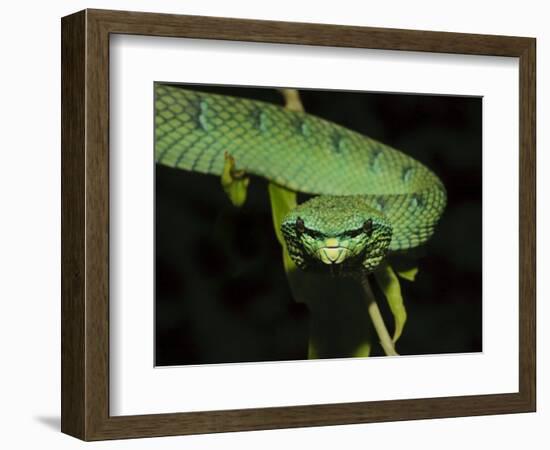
<point x="292" y="100"/>
<point x="312" y="350"/>
<point x="374" y="312"/>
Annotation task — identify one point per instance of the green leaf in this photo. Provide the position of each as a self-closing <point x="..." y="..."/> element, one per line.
<point x="312" y="350"/>
<point x="405" y="265"/>
<point x="363" y="350"/>
<point x="389" y="283"/>
<point x="408" y="274"/>
<point x="282" y="201"/>
<point x="234" y="182"/>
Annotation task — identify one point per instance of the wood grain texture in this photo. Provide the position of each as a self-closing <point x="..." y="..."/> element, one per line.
<point x="527" y="224"/>
<point x="85" y="224"/>
<point x="72" y="224"/>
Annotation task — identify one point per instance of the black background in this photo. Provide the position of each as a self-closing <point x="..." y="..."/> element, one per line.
<point x="221" y="292"/>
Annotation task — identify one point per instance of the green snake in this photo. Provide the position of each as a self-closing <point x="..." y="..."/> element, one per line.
<point x="371" y="199"/>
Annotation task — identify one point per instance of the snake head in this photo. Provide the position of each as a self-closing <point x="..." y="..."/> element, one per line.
<point x="337" y="232"/>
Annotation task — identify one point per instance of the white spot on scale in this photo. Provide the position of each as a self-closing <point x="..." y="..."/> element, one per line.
<point x="263" y="121"/>
<point x="304" y="129"/>
<point x="375" y="163"/>
<point x="407" y="174"/>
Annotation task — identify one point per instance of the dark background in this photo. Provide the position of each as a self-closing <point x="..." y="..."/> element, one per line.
<point x="222" y="294"/>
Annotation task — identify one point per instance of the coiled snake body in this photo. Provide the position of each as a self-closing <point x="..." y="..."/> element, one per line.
<point x="371" y="198"/>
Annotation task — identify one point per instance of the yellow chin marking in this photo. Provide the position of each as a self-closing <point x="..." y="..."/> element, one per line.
<point x="331" y="242"/>
<point x="333" y="255"/>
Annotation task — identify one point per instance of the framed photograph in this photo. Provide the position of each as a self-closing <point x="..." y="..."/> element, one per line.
<point x="271" y="224"/>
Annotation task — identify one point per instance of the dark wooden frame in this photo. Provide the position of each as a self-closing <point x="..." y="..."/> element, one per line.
<point x="85" y="224"/>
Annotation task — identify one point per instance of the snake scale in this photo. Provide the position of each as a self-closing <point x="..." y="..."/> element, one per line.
<point x="370" y="198"/>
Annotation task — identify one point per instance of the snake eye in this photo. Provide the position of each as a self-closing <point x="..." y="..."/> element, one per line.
<point x="300" y="226"/>
<point x="367" y="227"/>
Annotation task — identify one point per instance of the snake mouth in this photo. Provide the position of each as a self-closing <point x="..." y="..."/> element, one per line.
<point x="333" y="255"/>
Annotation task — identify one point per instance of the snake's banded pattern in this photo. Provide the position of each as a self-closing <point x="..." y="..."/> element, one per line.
<point x="299" y="151"/>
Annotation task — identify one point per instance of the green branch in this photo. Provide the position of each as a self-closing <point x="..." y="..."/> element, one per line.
<point x="376" y="316"/>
